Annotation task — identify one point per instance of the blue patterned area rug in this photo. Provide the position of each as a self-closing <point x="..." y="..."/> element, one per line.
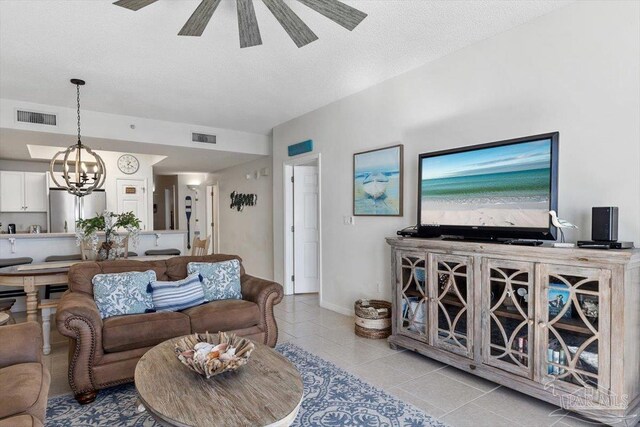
<point x="332" y="397"/>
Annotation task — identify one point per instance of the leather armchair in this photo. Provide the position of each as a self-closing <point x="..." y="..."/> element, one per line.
<point x="24" y="377"/>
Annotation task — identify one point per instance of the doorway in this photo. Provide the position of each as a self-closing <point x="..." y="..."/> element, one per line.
<point x="165" y="201"/>
<point x="303" y="254"/>
<point x="132" y="197"/>
<point x="212" y="225"/>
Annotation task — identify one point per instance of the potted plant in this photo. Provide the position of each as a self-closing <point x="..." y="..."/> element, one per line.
<point x="109" y="222"/>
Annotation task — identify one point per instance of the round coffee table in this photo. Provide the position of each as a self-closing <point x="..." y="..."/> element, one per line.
<point x="266" y="391"/>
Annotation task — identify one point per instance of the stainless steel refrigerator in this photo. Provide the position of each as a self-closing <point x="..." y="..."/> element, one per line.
<point x="65" y="208"/>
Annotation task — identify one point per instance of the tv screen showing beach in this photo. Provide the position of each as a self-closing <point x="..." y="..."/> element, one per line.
<point x="503" y="186"/>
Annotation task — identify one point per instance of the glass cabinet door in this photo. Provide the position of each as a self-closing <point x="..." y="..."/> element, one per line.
<point x="508" y="319"/>
<point x="452" y="303"/>
<point x="574" y="329"/>
<point x="412" y="295"/>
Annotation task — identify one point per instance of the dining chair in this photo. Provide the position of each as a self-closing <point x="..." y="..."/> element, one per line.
<point x="200" y="246"/>
<point x="6" y="300"/>
<point x="53" y="289"/>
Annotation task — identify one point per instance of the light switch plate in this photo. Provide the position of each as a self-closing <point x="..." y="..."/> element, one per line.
<point x="348" y="220"/>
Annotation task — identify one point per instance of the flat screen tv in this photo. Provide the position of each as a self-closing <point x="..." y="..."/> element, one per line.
<point x="500" y="190"/>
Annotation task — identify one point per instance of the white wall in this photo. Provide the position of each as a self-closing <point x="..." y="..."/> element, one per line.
<point x="23" y="166"/>
<point x="575" y="70"/>
<point x="118" y="127"/>
<point x="144" y="172"/>
<point x="249" y="233"/>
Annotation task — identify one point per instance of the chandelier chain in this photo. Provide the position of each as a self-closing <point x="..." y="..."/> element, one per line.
<point x="78" y="101"/>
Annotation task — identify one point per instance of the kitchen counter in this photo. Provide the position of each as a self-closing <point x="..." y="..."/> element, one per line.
<point x="41" y="245"/>
<point x="26" y="235"/>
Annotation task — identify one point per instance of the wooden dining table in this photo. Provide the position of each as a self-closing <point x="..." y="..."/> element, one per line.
<point x="30" y="277"/>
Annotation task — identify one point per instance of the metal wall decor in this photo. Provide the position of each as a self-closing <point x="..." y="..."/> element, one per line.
<point x="82" y="170"/>
<point x="240" y="200"/>
<point x="300" y="33"/>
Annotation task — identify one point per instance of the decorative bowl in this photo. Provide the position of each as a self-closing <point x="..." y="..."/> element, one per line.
<point x="208" y="356"/>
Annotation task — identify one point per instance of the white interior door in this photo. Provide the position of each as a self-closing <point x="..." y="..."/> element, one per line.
<point x="132" y="197"/>
<point x="212" y="218"/>
<point x="306" y="229"/>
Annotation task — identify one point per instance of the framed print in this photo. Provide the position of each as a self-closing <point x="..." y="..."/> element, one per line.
<point x="377" y="182"/>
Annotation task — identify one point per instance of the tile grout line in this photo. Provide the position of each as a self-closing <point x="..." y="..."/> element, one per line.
<point x="473" y="400"/>
<point x="337" y="325"/>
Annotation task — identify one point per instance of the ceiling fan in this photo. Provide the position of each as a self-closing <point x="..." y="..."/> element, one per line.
<point x="300" y="33"/>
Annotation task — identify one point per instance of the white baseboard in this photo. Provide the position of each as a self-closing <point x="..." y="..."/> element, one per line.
<point x="337" y="308"/>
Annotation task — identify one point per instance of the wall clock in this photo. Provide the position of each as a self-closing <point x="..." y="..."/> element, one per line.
<point x="128" y="164"/>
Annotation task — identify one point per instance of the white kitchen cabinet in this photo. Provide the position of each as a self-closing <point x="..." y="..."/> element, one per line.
<point x="11" y="191"/>
<point x="35" y="192"/>
<point x="23" y="191"/>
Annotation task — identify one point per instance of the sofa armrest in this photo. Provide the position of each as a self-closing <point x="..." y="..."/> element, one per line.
<point x="77" y="305"/>
<point x="78" y="318"/>
<point x="266" y="294"/>
<point x="257" y="290"/>
<point x="21" y="343"/>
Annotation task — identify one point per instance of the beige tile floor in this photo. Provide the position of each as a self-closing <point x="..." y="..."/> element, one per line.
<point x="451" y="395"/>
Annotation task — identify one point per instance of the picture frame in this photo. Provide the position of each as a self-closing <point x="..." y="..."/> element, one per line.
<point x="378" y="179"/>
<point x="558" y="296"/>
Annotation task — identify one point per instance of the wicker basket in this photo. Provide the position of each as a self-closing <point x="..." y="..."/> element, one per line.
<point x="373" y="318"/>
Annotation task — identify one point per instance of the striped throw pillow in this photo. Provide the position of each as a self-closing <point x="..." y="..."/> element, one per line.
<point x="178" y="295"/>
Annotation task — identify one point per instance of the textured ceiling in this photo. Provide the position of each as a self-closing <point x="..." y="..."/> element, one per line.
<point x="135" y="64"/>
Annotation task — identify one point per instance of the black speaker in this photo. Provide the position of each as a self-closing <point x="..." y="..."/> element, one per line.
<point x="604" y="224"/>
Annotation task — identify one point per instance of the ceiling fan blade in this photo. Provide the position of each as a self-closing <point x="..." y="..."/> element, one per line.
<point x="299" y="32"/>
<point x="199" y="18"/>
<point x="134" y="4"/>
<point x="337" y="11"/>
<point x="248" y="24"/>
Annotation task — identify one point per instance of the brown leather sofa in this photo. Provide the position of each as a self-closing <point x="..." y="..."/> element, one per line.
<point x="104" y="353"/>
<point x="24" y="380"/>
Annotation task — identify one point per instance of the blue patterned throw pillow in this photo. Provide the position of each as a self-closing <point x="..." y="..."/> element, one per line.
<point x="220" y="280"/>
<point x="178" y="295"/>
<point x="123" y="293"/>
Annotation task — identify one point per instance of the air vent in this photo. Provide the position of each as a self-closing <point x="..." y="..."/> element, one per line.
<point x="36" y="118"/>
<point x="203" y="137"/>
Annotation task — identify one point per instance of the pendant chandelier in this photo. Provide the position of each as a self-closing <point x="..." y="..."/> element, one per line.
<point x="82" y="170"/>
